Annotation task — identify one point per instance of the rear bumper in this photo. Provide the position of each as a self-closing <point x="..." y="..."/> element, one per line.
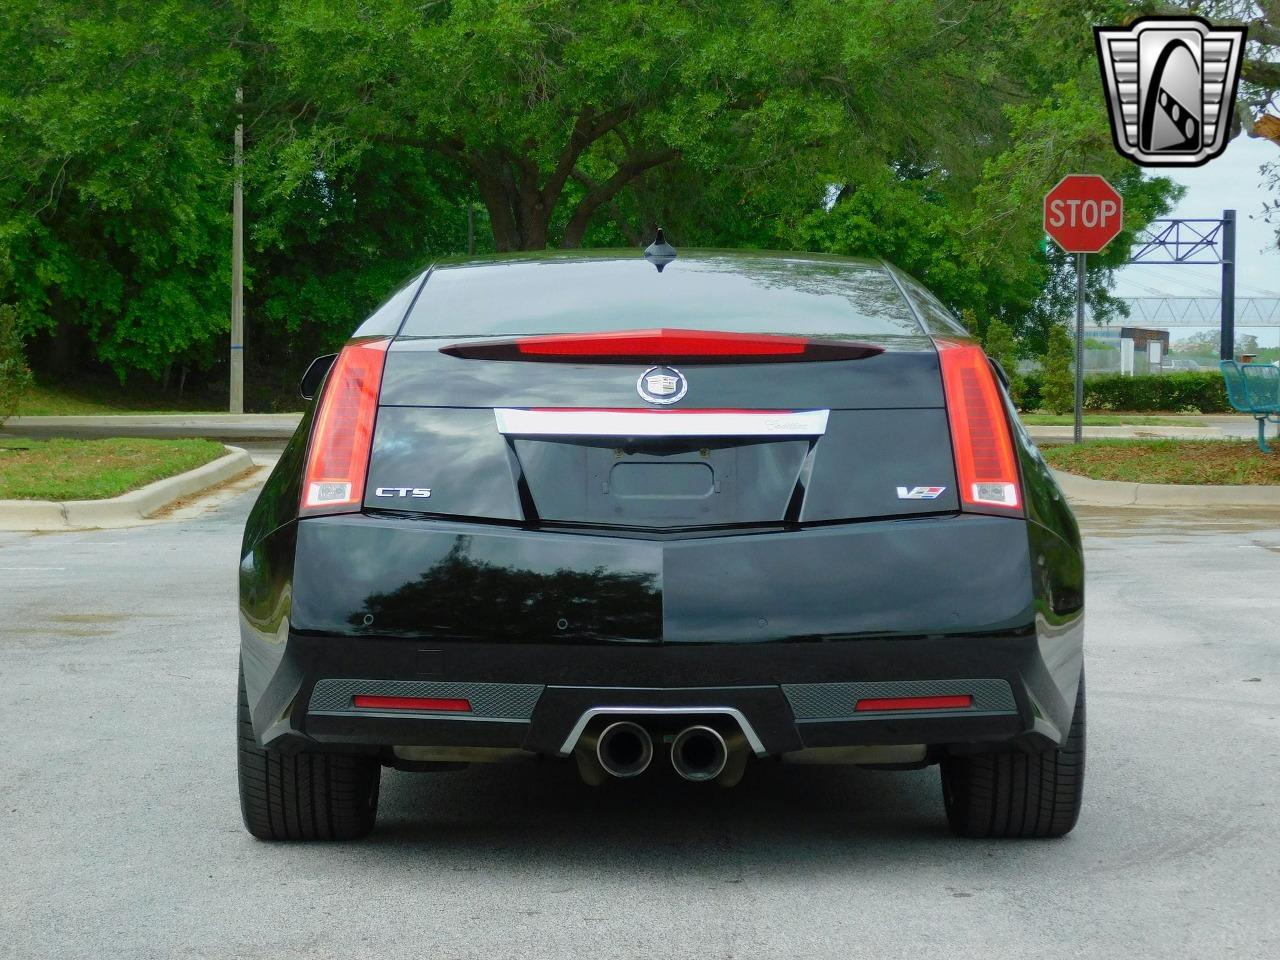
<point x="785" y="697"/>
<point x="786" y="630"/>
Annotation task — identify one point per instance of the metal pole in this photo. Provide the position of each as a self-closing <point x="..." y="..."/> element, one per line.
<point x="237" y="268"/>
<point x="1079" y="427"/>
<point x="1227" y="345"/>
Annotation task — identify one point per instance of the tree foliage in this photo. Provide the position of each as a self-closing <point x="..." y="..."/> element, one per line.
<point x="113" y="176"/>
<point x="1002" y="348"/>
<point x="923" y="131"/>
<point x="15" y="378"/>
<point x="1058" y="385"/>
<point x="975" y="236"/>
<point x="1257" y="112"/>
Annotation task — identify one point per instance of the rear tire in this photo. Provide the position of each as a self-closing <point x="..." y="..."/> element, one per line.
<point x="1018" y="794"/>
<point x="303" y="796"/>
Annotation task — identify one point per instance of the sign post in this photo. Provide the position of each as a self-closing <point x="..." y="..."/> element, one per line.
<point x="1078" y="433"/>
<point x="1082" y="214"/>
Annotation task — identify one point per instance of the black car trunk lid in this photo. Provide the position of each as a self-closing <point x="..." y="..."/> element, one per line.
<point x="583" y="443"/>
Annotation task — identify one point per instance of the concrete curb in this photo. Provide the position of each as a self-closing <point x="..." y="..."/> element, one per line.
<point x="127" y="509"/>
<point x="213" y="426"/>
<point x="1082" y="491"/>
<point x="1041" y="433"/>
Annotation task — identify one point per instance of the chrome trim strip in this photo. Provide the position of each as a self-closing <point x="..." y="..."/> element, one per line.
<point x="664" y="423"/>
<point x="753" y="740"/>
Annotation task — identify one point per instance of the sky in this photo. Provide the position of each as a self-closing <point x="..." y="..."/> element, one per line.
<point x="1231" y="181"/>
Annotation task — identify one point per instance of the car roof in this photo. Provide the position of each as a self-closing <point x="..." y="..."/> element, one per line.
<point x="728" y="257"/>
<point x="603" y="290"/>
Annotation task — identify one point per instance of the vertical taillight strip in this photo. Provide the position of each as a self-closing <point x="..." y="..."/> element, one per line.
<point x="986" y="463"/>
<point x="338" y="458"/>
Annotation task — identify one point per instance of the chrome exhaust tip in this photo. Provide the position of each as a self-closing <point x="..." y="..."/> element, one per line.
<point x="624" y="749"/>
<point x="699" y="754"/>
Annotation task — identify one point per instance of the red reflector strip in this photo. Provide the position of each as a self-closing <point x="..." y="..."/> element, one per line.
<point x="915" y="703"/>
<point x="430" y="704"/>
<point x="647" y="346"/>
<point x="986" y="467"/>
<point x="338" y="458"/>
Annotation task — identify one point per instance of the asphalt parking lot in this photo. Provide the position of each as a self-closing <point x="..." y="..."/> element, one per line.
<point x="121" y="836"/>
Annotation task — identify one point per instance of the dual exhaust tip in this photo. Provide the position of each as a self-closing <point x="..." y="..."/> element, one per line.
<point x="698" y="753"/>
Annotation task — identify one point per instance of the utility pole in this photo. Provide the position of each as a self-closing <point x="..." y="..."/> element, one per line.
<point x="237" y="265"/>
<point x="1227" y="346"/>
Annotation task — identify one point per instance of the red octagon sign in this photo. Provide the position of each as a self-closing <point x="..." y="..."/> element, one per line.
<point x="1083" y="213"/>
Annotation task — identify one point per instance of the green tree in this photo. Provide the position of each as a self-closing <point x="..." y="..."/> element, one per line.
<point x="554" y="109"/>
<point x="973" y="232"/>
<point x="1002" y="348"/>
<point x="1058" y="387"/>
<point x="1257" y="112"/>
<point x="113" y="177"/>
<point x="328" y="250"/>
<point x="925" y="132"/>
<point x="15" y="378"/>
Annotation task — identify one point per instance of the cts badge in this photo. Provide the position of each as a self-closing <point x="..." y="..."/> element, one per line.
<point x="662" y="385"/>
<point x="402" y="492"/>
<point x="920" y="493"/>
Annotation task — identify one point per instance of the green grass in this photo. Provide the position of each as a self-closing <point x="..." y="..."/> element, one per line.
<point x="97" y="398"/>
<point x="1101" y="420"/>
<point x="1230" y="462"/>
<point x="94" y="469"/>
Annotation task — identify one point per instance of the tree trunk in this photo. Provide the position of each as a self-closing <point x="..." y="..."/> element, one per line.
<point x="519" y="217"/>
<point x="521" y="199"/>
<point x="533" y="221"/>
<point x="502" y="220"/>
<point x="599" y="194"/>
<point x="576" y="228"/>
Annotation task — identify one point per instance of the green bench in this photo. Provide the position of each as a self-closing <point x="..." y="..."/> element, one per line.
<point x="1254" y="388"/>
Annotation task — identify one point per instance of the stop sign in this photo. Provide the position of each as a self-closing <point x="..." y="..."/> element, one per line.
<point x="1083" y="213"/>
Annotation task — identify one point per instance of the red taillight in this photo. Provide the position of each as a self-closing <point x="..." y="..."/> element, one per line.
<point x="644" y="346"/>
<point x="339" y="455"/>
<point x="914" y="703"/>
<point x="429" y="704"/>
<point x="986" y="465"/>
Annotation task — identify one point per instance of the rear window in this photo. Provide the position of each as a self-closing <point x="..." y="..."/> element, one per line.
<point x="748" y="295"/>
<point x="386" y="320"/>
<point x="938" y="320"/>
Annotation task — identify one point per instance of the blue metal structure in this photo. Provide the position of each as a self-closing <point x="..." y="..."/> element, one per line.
<point x="1254" y="388"/>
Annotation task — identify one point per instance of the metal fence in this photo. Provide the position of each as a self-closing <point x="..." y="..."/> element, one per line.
<point x="1110" y="360"/>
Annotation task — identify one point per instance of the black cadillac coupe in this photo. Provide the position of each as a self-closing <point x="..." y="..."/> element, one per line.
<point x="709" y="509"/>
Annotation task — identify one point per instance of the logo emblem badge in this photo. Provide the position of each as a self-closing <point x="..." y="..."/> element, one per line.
<point x="920" y="493"/>
<point x="662" y="385"/>
<point x="402" y="492"/>
<point x="1171" y="88"/>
